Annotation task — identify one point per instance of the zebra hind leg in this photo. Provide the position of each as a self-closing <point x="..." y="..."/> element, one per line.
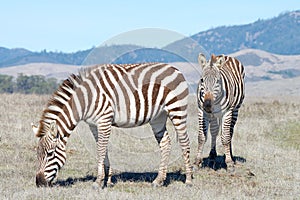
<point x="159" y="128"/>
<point x="179" y="122"/>
<point x="108" y="171"/>
<point x="202" y="137"/>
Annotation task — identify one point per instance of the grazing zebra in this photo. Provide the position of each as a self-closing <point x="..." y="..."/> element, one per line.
<point x="109" y="95"/>
<point x="220" y="95"/>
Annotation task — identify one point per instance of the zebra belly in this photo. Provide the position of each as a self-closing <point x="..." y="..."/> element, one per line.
<point x="133" y="122"/>
<point x="128" y="124"/>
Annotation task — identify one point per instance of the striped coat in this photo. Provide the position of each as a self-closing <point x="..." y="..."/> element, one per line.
<point x="221" y="92"/>
<point x="114" y="95"/>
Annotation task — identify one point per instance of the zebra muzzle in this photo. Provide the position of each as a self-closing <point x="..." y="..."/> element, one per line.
<point x="208" y="101"/>
<point x="41" y="180"/>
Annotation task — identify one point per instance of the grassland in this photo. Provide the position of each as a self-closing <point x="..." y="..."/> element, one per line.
<point x="265" y="144"/>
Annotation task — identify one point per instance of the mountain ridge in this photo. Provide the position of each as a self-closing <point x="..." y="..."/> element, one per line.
<point x="259" y="66"/>
<point x="279" y="35"/>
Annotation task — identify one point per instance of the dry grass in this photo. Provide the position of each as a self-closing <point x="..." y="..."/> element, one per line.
<point x="266" y="145"/>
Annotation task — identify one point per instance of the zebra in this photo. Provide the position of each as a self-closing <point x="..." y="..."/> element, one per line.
<point x="220" y="95"/>
<point x="119" y="95"/>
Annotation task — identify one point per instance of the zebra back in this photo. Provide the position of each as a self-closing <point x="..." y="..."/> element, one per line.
<point x="233" y="74"/>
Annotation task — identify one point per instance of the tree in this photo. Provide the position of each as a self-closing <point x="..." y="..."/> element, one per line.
<point x="6" y="84"/>
<point x="35" y="84"/>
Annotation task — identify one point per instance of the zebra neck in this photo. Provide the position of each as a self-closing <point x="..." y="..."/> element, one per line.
<point x="64" y="115"/>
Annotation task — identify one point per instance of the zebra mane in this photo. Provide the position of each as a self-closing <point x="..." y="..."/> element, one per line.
<point x="86" y="71"/>
<point x="64" y="92"/>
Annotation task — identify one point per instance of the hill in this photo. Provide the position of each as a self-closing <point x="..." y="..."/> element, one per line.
<point x="279" y="35"/>
<point x="259" y="66"/>
<point x="19" y="56"/>
<point x="49" y="70"/>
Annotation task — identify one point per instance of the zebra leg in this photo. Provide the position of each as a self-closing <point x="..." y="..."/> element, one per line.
<point x="229" y="121"/>
<point x="202" y="137"/>
<point x="159" y="128"/>
<point x="104" y="130"/>
<point x="214" y="130"/>
<point x="108" y="170"/>
<point x="179" y="121"/>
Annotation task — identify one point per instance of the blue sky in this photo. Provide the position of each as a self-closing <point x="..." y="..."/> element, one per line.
<point x="68" y="26"/>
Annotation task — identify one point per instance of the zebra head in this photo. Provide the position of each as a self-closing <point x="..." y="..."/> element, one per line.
<point x="51" y="152"/>
<point x="210" y="86"/>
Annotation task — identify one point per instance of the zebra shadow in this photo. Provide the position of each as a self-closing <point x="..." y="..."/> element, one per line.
<point x="219" y="162"/>
<point x="71" y="181"/>
<point x="147" y="177"/>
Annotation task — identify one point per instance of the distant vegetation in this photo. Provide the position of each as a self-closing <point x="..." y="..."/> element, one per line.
<point x="35" y="84"/>
<point x="279" y="35"/>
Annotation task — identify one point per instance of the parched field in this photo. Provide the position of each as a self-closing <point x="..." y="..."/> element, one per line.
<point x="266" y="146"/>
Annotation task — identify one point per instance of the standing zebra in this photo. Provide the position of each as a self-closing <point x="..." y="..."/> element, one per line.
<point x="114" y="95"/>
<point x="220" y="95"/>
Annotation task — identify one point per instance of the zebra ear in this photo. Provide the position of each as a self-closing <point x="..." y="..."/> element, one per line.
<point x="53" y="128"/>
<point x="220" y="61"/>
<point x="202" y="60"/>
<point x="34" y="128"/>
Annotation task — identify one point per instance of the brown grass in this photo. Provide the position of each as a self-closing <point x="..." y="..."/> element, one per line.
<point x="265" y="144"/>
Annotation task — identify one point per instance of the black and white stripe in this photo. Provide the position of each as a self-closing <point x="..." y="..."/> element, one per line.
<point x="221" y="92"/>
<point x="114" y="95"/>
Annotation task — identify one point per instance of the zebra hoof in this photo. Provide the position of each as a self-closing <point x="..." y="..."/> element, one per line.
<point x="212" y="154"/>
<point x="196" y="168"/>
<point x="110" y="185"/>
<point x="157" y="183"/>
<point x="212" y="164"/>
<point x="230" y="167"/>
<point x="197" y="165"/>
<point x="188" y="183"/>
<point x="96" y="185"/>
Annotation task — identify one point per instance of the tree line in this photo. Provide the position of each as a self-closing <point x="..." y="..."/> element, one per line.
<point x="34" y="84"/>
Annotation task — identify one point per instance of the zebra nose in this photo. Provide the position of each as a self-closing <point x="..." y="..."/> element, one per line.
<point x="40" y="180"/>
<point x="207" y="105"/>
<point x="208" y="101"/>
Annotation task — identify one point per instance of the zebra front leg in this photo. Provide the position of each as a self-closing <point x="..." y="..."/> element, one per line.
<point x="108" y="170"/>
<point x="103" y="162"/>
<point x="229" y="121"/>
<point x="202" y="137"/>
<point x="214" y="130"/>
